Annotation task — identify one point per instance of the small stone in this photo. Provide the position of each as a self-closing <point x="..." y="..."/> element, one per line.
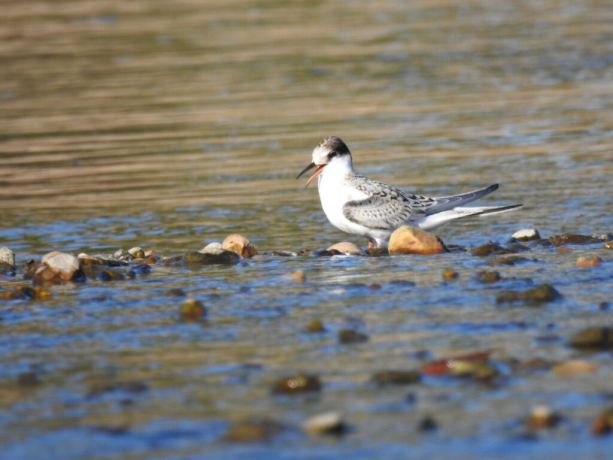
<point x="589" y="262"/>
<point x="396" y="378"/>
<point x="102" y="273"/>
<point x="603" y="306"/>
<point x="212" y="257"/>
<point x="603" y="236"/>
<point x="527" y="234"/>
<point x="175" y="292"/>
<point x="514" y="248"/>
<point x="123" y="256"/>
<point x="511" y="260"/>
<point x="86" y="259"/>
<point x="325" y="253"/>
<point x="427" y="424"/>
<point x="593" y="338"/>
<point x="532" y="297"/>
<point x="542" y="417"/>
<point x="603" y="423"/>
<point x="328" y="423"/>
<point x="450" y="275"/>
<point x="608" y="245"/>
<point x="297" y="384"/>
<point x="137" y="252"/>
<point x="412" y="240"/>
<point x="574" y="367"/>
<point x="192" y="310"/>
<point x="346" y="248"/>
<point x="240" y="245"/>
<point x="65" y="266"/>
<point x="542" y="243"/>
<point x="348" y="336"/>
<point x="28" y="379"/>
<point x="297" y="277"/>
<point x="488" y="249"/>
<point x="7" y="256"/>
<point x="377" y="252"/>
<point x="488" y="277"/>
<point x="315" y="326"/>
<point x="561" y="240"/>
<point x="284" y="254"/>
<point x="6" y="269"/>
<point x="253" y="431"/>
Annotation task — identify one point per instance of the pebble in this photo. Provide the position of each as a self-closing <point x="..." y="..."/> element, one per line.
<point x="427" y="424"/>
<point x="608" y="245"/>
<point x="192" y="310"/>
<point x="526" y="234"/>
<point x="450" y="275"/>
<point x="561" y="240"/>
<point x="316" y="326"/>
<point x="532" y="297"/>
<point x="297" y="277"/>
<point x="212" y="257"/>
<point x="511" y="260"/>
<point x="593" y="338"/>
<point x="253" y="431"/>
<point x="574" y="367"/>
<point x="85" y="259"/>
<point x="346" y="248"/>
<point x="396" y="378"/>
<point x="487" y="277"/>
<point x="240" y="245"/>
<point x="542" y="243"/>
<point x="58" y="268"/>
<point x="412" y="240"/>
<point x="102" y="273"/>
<point x="123" y="256"/>
<point x="514" y="248"/>
<point x="327" y="423"/>
<point x="347" y="336"/>
<point x="377" y="252"/>
<point x="214" y="245"/>
<point x="542" y="417"/>
<point x="175" y="292"/>
<point x="603" y="423"/>
<point x="589" y="262"/>
<point x="297" y="384"/>
<point x="137" y="252"/>
<point x="7" y="256"/>
<point x="488" y="249"/>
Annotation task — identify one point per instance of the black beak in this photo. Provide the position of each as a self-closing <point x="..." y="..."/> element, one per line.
<point x="311" y="166"/>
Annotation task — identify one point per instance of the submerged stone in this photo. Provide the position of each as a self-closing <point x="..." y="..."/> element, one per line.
<point x="192" y="310"/>
<point x="608" y="245"/>
<point x="532" y="297"/>
<point x="6" y="269"/>
<point x="487" y="277"/>
<point x="396" y="378"/>
<point x="561" y="240"/>
<point x="297" y="384"/>
<point x="427" y="424"/>
<point x="603" y="423"/>
<point x="450" y="275"/>
<point x="253" y="431"/>
<point x="589" y="262"/>
<point x="328" y="423"/>
<point x="377" y="252"/>
<point x="542" y="417"/>
<point x="511" y="260"/>
<point x="283" y="253"/>
<point x="240" y="245"/>
<point x="593" y="338"/>
<point x="574" y="367"/>
<point x="315" y="326"/>
<point x="514" y="248"/>
<point x="542" y="243"/>
<point x="123" y="256"/>
<point x="347" y="249"/>
<point x="489" y="249"/>
<point x="408" y="239"/>
<point x="214" y="256"/>
<point x="102" y="273"/>
<point x="348" y="336"/>
<point x="137" y="252"/>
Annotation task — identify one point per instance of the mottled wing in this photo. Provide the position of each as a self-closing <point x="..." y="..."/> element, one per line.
<point x="385" y="207"/>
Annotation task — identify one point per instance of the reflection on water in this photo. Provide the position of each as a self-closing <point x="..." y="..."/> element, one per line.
<point x="172" y="124"/>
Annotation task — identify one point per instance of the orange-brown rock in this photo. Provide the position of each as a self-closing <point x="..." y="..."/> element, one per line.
<point x="589" y="262"/>
<point x="347" y="248"/>
<point x="58" y="268"/>
<point x="412" y="240"/>
<point x="240" y="245"/>
<point x="574" y="367"/>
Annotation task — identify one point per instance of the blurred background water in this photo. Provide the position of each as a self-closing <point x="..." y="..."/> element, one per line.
<point x="168" y="125"/>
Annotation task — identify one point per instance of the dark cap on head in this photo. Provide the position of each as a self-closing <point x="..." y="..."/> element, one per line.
<point x="334" y="144"/>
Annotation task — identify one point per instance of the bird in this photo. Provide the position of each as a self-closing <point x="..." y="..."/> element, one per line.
<point x="358" y="205"/>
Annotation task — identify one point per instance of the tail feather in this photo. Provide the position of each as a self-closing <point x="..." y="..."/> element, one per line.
<point x="445" y="203"/>
<point x="436" y="220"/>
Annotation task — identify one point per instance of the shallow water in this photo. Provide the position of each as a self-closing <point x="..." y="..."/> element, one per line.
<point x="171" y="125"/>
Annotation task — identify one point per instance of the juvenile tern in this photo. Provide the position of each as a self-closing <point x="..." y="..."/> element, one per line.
<point x="358" y="205"/>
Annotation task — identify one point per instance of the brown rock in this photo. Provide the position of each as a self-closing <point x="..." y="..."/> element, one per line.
<point x="297" y="384"/>
<point x="450" y="275"/>
<point x="316" y="326"/>
<point x="488" y="249"/>
<point x="297" y="277"/>
<point x="593" y="338"/>
<point x="65" y="266"/>
<point x="347" y="249"/>
<point x="589" y="262"/>
<point x="240" y="245"/>
<point x="561" y="240"/>
<point x="253" y="431"/>
<point x="603" y="423"/>
<point x="488" y="277"/>
<point x="532" y="297"/>
<point x="574" y="367"/>
<point x="347" y="336"/>
<point x="542" y="417"/>
<point x="608" y="245"/>
<point x="192" y="310"/>
<point x="396" y="378"/>
<point x="412" y="240"/>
